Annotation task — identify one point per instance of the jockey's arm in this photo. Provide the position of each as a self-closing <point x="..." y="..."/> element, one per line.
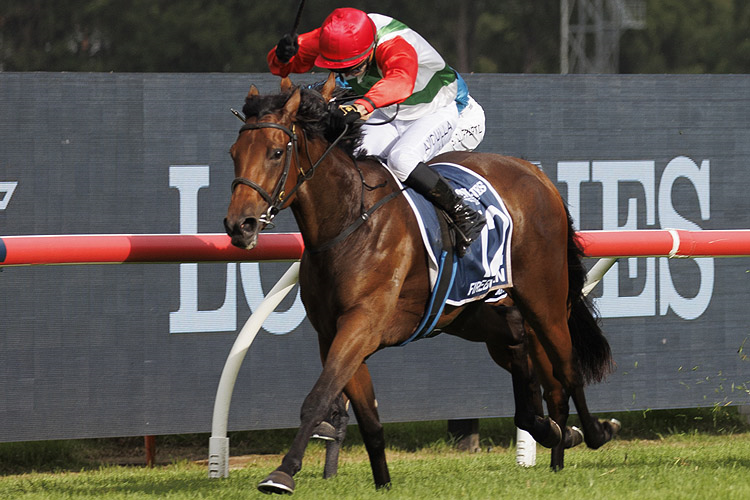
<point x="399" y="64"/>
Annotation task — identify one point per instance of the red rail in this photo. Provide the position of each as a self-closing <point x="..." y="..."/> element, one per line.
<point x="121" y="248"/>
<point x="666" y="243"/>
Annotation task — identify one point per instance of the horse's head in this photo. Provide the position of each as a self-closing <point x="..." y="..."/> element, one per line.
<point x="267" y="164"/>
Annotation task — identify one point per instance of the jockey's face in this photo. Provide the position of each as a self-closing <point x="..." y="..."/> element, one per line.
<point x="355" y="71"/>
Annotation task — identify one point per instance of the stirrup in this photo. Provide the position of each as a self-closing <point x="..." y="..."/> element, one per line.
<point x="467" y="235"/>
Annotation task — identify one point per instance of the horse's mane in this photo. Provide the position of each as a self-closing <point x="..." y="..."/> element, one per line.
<point x="312" y="115"/>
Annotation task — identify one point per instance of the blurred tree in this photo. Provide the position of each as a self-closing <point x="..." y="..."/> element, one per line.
<point x="510" y="36"/>
<point x="517" y="37"/>
<point x="689" y="36"/>
<point x="39" y="35"/>
<point x="739" y="50"/>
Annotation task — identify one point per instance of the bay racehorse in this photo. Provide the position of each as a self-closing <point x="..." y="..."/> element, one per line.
<point x="364" y="275"/>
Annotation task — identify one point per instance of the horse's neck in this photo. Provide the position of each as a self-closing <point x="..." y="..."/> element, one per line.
<point x="329" y="201"/>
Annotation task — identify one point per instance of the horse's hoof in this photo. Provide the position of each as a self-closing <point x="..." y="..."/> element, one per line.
<point x="616" y="426"/>
<point x="553" y="436"/>
<point x="324" y="431"/>
<point x="277" y="482"/>
<point x="606" y="430"/>
<point x="573" y="437"/>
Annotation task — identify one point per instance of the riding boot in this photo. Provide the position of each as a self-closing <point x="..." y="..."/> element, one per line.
<point x="467" y="222"/>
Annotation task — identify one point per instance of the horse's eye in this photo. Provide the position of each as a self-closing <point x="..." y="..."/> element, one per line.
<point x="276" y="154"/>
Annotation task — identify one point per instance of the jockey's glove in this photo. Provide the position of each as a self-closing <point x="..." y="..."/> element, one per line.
<point x="344" y="115"/>
<point x="287" y="47"/>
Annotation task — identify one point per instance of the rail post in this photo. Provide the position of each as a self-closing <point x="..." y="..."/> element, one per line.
<point x="218" y="444"/>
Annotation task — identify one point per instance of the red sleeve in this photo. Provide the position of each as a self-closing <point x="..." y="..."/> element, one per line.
<point x="399" y="63"/>
<point x="300" y="63"/>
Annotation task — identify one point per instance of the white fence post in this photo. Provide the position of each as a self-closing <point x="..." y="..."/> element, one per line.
<point x="525" y="449"/>
<point x="218" y="444"/>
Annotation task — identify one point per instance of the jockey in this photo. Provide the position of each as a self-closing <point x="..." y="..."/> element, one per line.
<point x="390" y="65"/>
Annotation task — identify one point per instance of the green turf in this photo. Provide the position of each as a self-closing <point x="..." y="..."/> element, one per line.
<point x="701" y="454"/>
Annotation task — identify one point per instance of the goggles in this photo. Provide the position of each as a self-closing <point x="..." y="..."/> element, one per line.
<point x="354" y="70"/>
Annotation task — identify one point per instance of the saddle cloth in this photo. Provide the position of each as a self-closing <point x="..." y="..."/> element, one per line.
<point x="485" y="269"/>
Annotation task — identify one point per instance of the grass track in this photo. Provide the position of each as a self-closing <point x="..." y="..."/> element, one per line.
<point x="684" y="456"/>
<point x="676" y="467"/>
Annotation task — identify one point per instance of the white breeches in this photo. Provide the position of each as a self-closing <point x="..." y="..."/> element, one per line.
<point x="470" y="130"/>
<point x="404" y="143"/>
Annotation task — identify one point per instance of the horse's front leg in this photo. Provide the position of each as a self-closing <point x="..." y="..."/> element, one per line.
<point x="333" y="431"/>
<point x="362" y="395"/>
<point x="348" y="351"/>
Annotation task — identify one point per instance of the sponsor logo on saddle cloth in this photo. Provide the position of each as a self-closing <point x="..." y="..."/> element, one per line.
<point x="485" y="269"/>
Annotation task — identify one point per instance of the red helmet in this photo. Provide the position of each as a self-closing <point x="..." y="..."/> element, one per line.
<point x="347" y="37"/>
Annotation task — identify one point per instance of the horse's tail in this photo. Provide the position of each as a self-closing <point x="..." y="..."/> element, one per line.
<point x="591" y="347"/>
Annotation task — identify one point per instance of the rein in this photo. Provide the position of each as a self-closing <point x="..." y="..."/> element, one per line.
<point x="278" y="198"/>
<point x="363" y="217"/>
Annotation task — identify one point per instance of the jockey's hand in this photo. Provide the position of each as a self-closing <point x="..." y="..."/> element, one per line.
<point x="287" y="47"/>
<point x="346" y="114"/>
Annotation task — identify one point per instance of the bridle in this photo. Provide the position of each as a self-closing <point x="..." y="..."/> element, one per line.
<point x="277" y="199"/>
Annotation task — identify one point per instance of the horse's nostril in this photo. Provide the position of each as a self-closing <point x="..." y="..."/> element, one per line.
<point x="249" y="225"/>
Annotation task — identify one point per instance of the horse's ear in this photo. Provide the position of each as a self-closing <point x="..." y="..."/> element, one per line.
<point x="292" y="105"/>
<point x="329" y="86"/>
<point x="286" y="84"/>
<point x="253" y="92"/>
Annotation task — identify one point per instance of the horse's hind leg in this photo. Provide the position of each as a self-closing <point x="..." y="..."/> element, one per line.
<point x="596" y="432"/>
<point x="557" y="403"/>
<point x="546" y="313"/>
<point x="559" y="410"/>
<point x="510" y="350"/>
